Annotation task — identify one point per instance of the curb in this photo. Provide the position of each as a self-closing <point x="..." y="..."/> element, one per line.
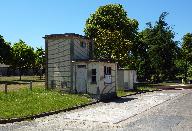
<point x="12" y="120"/>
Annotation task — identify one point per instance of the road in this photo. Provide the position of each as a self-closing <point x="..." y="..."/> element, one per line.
<point x="157" y="111"/>
<point x="173" y="115"/>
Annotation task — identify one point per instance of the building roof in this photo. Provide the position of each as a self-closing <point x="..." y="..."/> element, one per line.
<point x="93" y="60"/>
<point x="126" y="69"/>
<point x="3" y="65"/>
<point x="64" y="36"/>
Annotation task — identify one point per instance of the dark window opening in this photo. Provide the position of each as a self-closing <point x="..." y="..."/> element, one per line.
<point x="83" y="44"/>
<point x="93" y="76"/>
<point x="81" y="66"/>
<point x="107" y="70"/>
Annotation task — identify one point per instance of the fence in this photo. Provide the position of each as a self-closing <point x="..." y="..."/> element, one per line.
<point x="30" y="86"/>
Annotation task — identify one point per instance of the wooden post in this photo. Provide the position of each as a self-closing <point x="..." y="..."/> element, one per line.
<point x="5" y="88"/>
<point x="30" y="85"/>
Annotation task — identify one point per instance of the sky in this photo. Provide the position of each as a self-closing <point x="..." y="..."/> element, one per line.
<point x="30" y="20"/>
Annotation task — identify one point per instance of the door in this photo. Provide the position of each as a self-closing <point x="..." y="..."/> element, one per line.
<point x="81" y="79"/>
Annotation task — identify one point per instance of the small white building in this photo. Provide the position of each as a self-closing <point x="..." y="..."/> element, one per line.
<point x="70" y="66"/>
<point x="95" y="77"/>
<point x="126" y="78"/>
<point x="3" y="69"/>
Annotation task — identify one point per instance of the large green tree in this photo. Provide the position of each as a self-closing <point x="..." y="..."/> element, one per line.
<point x="23" y="56"/>
<point x="186" y="54"/>
<point x="5" y="51"/>
<point x="40" y="60"/>
<point x="113" y="33"/>
<point x="161" y="49"/>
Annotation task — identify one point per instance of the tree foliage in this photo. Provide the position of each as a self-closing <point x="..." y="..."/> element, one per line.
<point x="23" y="56"/>
<point x="186" y="54"/>
<point x="40" y="60"/>
<point x="161" y="49"/>
<point x="5" y="51"/>
<point x="113" y="33"/>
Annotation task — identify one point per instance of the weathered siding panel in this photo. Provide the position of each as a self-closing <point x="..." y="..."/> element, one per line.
<point x="126" y="79"/>
<point x="79" y="51"/>
<point x="59" y="62"/>
<point x="120" y="79"/>
<point x="105" y="87"/>
<point x="92" y="88"/>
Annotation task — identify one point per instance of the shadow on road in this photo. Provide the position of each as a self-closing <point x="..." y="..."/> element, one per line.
<point x="120" y="100"/>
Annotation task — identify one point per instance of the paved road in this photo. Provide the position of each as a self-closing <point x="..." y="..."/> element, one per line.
<point x="166" y="110"/>
<point x="174" y="115"/>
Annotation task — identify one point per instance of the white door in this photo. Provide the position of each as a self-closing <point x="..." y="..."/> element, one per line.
<point x="81" y="78"/>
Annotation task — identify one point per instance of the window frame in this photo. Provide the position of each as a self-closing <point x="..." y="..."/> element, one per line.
<point x="83" y="44"/>
<point x="93" y="76"/>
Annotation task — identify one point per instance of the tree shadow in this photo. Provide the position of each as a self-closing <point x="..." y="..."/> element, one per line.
<point x="119" y="100"/>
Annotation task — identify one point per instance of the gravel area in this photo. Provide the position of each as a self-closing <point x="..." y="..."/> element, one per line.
<point x="101" y="116"/>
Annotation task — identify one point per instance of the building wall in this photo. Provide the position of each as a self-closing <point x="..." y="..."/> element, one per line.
<point x="59" y="62"/>
<point x="3" y="71"/>
<point x="126" y="78"/>
<point x="93" y="87"/>
<point x="105" y="87"/>
<point x="100" y="87"/>
<point x="79" y="51"/>
<point x="120" y="79"/>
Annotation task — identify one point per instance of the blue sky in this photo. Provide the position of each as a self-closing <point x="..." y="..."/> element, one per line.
<point x="30" y="20"/>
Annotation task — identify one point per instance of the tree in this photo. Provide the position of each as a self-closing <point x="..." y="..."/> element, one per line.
<point x="5" y="51"/>
<point x="187" y="53"/>
<point x="113" y="33"/>
<point x="23" y="56"/>
<point x="161" y="49"/>
<point x="40" y="60"/>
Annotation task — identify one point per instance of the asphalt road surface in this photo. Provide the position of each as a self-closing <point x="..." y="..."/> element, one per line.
<point x="158" y="111"/>
<point x="173" y="115"/>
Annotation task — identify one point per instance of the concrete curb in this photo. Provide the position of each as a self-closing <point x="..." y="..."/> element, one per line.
<point x="12" y="120"/>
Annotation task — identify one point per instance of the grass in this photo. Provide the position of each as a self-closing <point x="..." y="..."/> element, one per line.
<point x="14" y="83"/>
<point x="139" y="88"/>
<point x="146" y="88"/>
<point x="21" y="103"/>
<point x="121" y="93"/>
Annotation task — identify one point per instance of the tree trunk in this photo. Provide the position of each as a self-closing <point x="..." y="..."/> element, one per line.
<point x="185" y="74"/>
<point x="40" y="74"/>
<point x="20" y="73"/>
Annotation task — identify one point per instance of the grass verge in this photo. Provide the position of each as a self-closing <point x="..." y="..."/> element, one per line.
<point x="121" y="93"/>
<point x="139" y="88"/>
<point x="23" y="102"/>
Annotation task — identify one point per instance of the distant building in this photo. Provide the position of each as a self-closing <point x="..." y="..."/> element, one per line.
<point x="126" y="79"/>
<point x="3" y="69"/>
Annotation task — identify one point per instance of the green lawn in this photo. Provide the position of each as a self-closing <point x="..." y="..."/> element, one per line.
<point x="121" y="93"/>
<point x="14" y="83"/>
<point x="24" y="102"/>
<point x="139" y="88"/>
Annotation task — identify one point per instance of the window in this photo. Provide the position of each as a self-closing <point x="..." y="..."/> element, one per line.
<point x="93" y="76"/>
<point x="107" y="75"/>
<point x="107" y="70"/>
<point x="81" y="66"/>
<point x="83" y="44"/>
